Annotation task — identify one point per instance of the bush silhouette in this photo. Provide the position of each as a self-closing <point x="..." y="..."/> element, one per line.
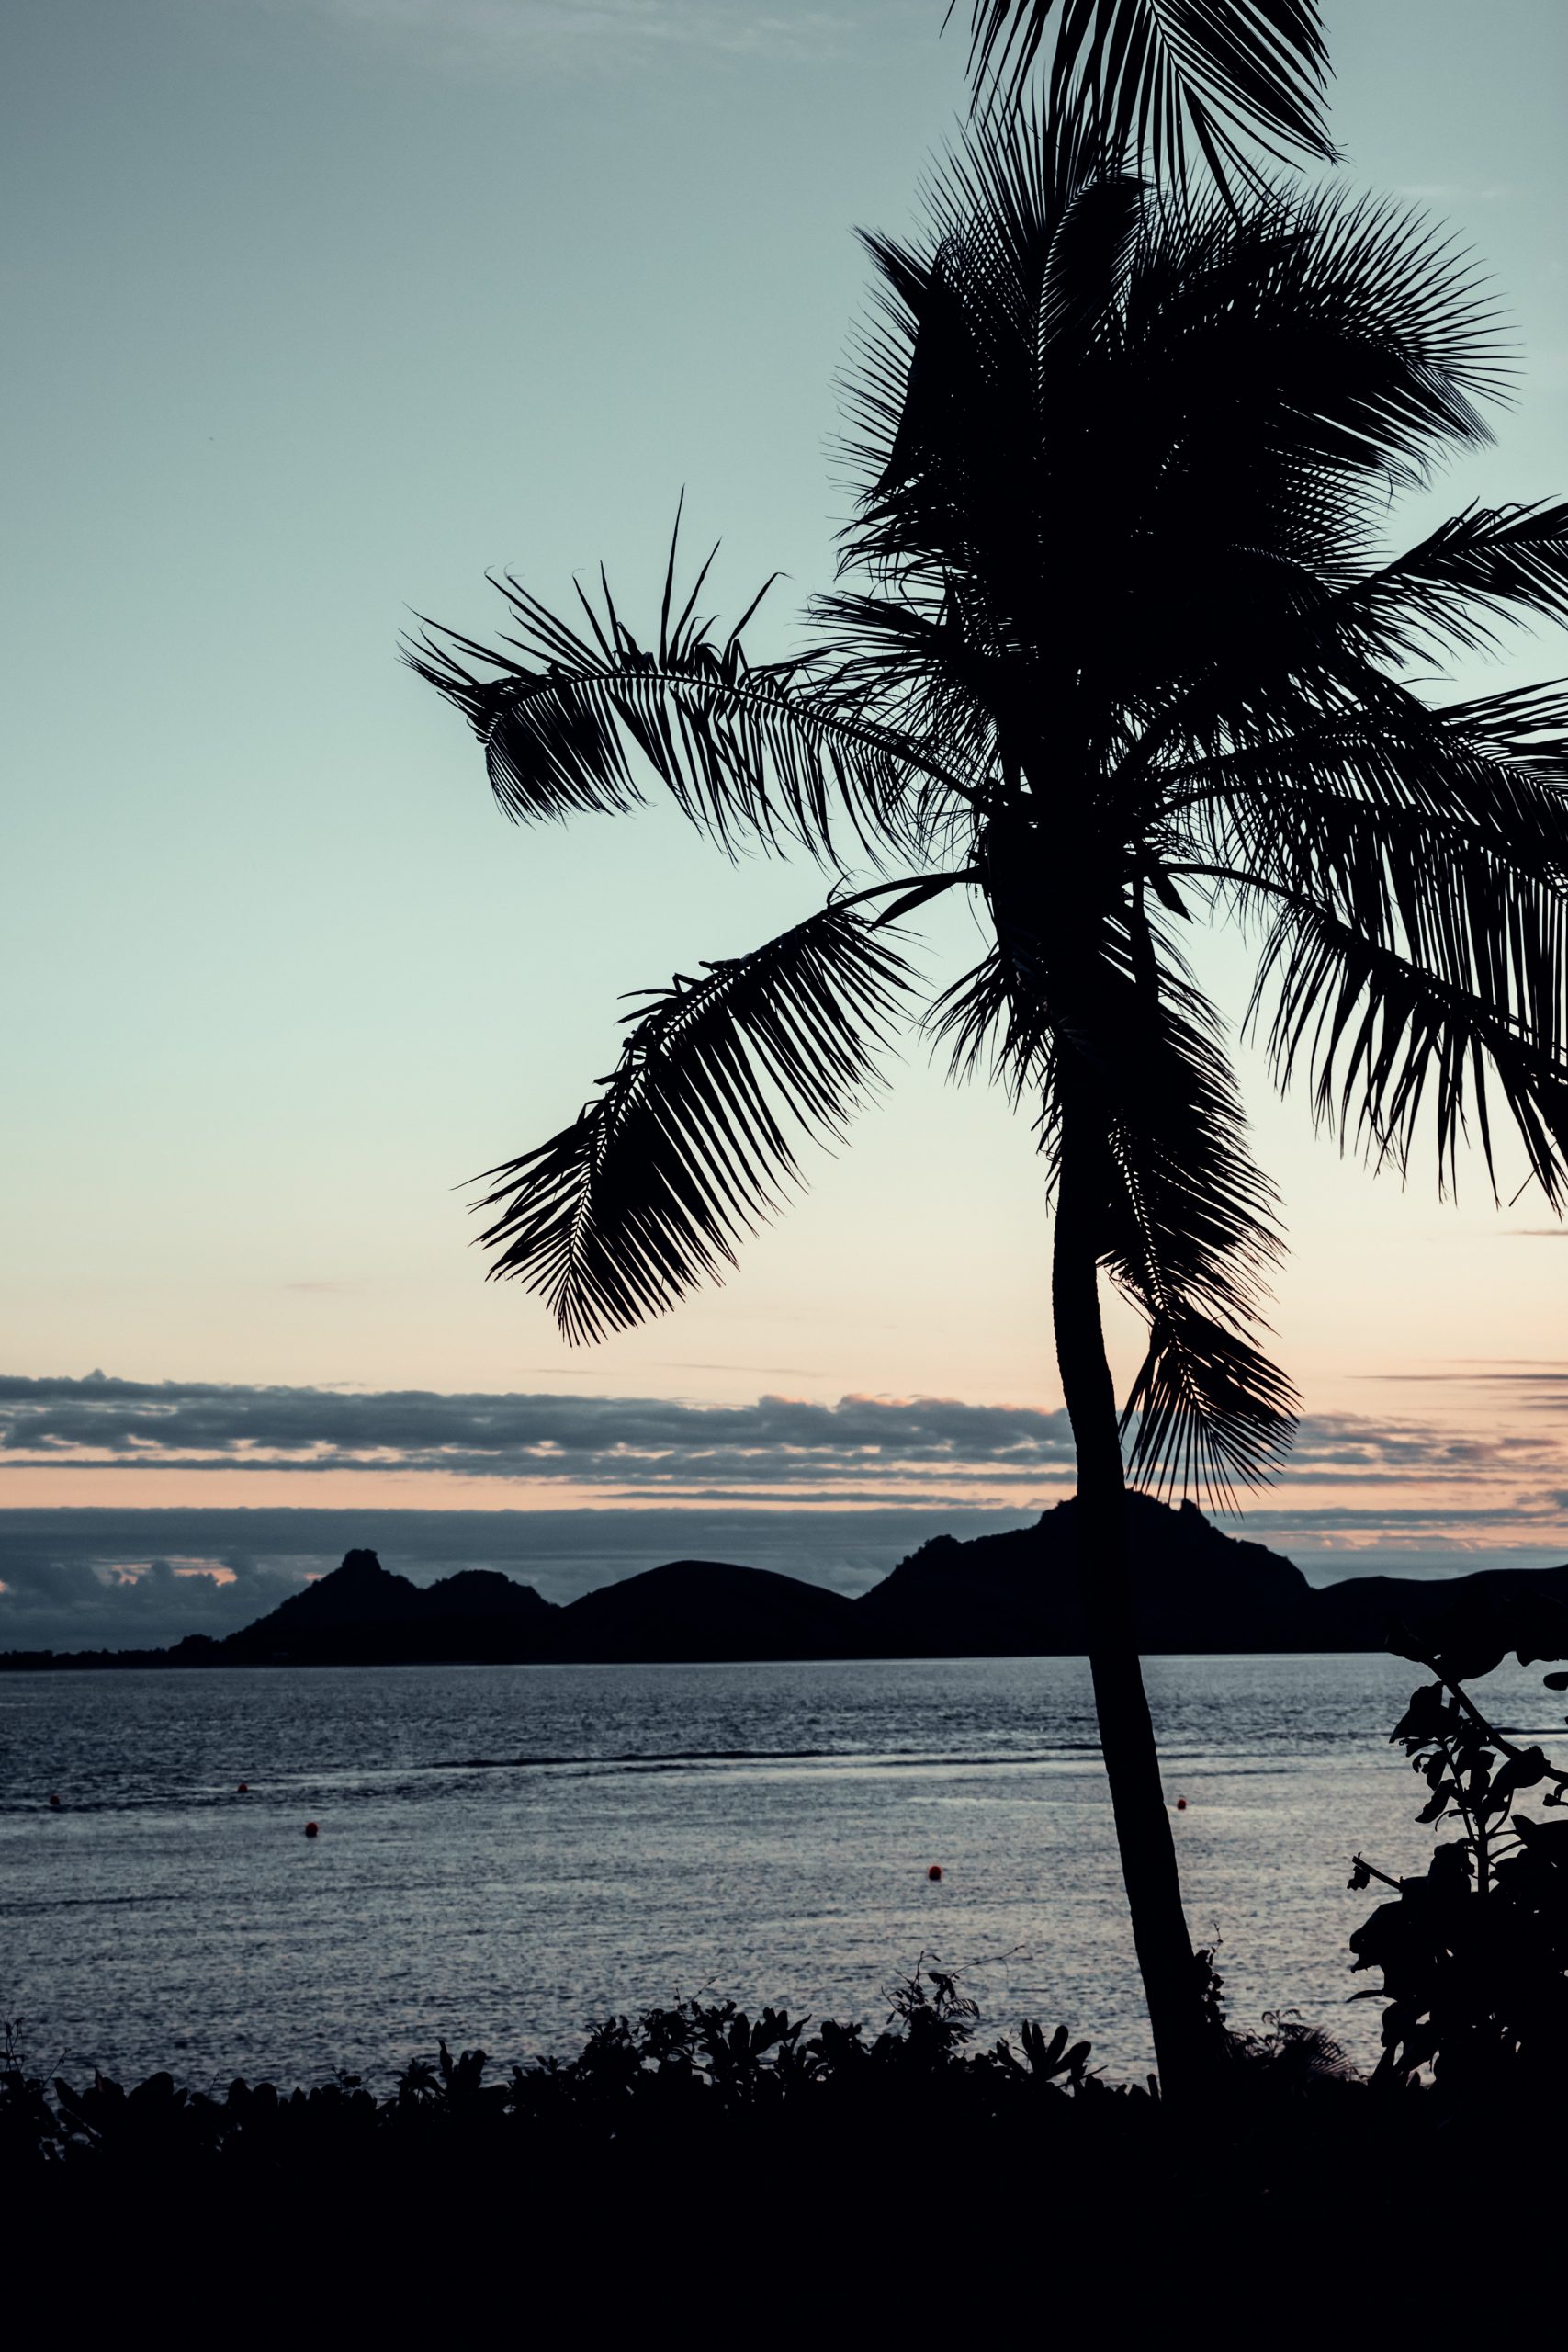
<point x="1474" y="1951"/>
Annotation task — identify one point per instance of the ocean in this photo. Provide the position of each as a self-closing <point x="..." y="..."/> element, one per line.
<point x="506" y="1853"/>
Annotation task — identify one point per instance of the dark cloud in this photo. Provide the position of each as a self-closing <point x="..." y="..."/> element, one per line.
<point x="640" y="1444"/>
<point x="863" y="1448"/>
<point x="1347" y="1448"/>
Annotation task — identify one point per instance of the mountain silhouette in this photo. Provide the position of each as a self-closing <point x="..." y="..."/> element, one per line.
<point x="707" y="1610"/>
<point x="363" y="1614"/>
<point x="1194" y="1589"/>
<point x="1360" y="1613"/>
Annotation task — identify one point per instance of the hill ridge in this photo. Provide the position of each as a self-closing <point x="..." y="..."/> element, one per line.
<point x="1014" y="1594"/>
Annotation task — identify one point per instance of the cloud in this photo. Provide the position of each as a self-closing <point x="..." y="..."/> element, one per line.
<point x="1343" y="1448"/>
<point x="871" y="1447"/>
<point x="1539" y="1384"/>
<point x="636" y="1445"/>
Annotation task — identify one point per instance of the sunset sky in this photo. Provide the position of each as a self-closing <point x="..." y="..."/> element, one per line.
<point x="319" y="308"/>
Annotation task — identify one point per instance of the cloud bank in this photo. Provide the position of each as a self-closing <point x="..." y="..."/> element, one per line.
<point x="633" y="1446"/>
<point x="868" y="1448"/>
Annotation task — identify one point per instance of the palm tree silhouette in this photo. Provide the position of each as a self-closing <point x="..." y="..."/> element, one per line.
<point x="1114" y="648"/>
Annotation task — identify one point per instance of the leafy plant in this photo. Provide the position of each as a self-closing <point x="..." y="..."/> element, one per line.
<point x="1474" y="1951"/>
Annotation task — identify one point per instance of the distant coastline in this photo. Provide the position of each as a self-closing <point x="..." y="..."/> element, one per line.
<point x="1009" y="1595"/>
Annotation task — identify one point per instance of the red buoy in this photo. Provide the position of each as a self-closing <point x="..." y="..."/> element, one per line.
<point x="243" y="1790"/>
<point x="1181" y="1804"/>
<point x="312" y="1829"/>
<point x="55" y="1801"/>
<point x="935" y="1871"/>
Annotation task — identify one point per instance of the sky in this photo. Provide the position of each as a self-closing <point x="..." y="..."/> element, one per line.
<point x="319" y="309"/>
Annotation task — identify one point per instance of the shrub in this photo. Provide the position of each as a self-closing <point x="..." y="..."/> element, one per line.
<point x="1474" y="1951"/>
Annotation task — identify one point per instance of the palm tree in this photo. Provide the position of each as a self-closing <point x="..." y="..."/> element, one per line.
<point x="1114" y="649"/>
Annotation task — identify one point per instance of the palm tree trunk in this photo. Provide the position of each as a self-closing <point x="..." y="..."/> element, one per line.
<point x="1171" y="1981"/>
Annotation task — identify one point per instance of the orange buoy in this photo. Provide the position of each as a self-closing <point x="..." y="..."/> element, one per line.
<point x="243" y="1790"/>
<point x="312" y="1829"/>
<point x="54" y="1800"/>
<point x="1181" y="1804"/>
<point x="935" y="1871"/>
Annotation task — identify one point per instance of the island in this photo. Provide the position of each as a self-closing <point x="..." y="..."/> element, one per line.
<point x="1013" y="1595"/>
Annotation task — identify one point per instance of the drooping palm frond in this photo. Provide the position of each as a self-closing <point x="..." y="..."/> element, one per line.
<point x="1490" y="772"/>
<point x="688" y="1148"/>
<point x="1094" y="1022"/>
<point x="1155" y="71"/>
<point x="763" y="752"/>
<point x="1208" y="1413"/>
<point x="1386" y="1041"/>
<point x="1443" y="829"/>
<point x="1522" y="733"/>
<point x="990" y="1024"/>
<point x="1409" y="867"/>
<point x="1191" y="1223"/>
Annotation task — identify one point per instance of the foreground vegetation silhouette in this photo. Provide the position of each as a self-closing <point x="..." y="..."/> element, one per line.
<point x="1119" y="647"/>
<point x="726" y="2165"/>
<point x="1474" y="1952"/>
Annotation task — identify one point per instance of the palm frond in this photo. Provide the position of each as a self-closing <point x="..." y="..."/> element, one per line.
<point x="1386" y="1041"/>
<point x="1156" y="72"/>
<point x="767" y="751"/>
<point x="1478" y="568"/>
<point x="1135" y="1084"/>
<point x="1411" y="869"/>
<point x="989" y="1023"/>
<point x="1192" y="1228"/>
<point x="1440" y="832"/>
<point x="1209" y="1413"/>
<point x="688" y="1150"/>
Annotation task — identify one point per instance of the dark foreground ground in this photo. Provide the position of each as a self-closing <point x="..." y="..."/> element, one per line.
<point x="698" y="2175"/>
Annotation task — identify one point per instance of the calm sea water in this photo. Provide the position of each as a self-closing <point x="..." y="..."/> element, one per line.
<point x="508" y="1853"/>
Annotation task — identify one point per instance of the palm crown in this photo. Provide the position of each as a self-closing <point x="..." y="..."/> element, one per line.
<point x="1120" y="648"/>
